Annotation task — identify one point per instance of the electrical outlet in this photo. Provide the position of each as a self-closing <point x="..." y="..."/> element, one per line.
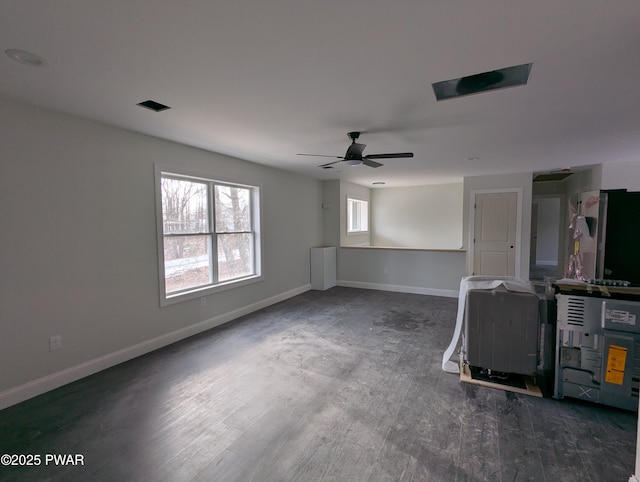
<point x="203" y="301"/>
<point x="55" y="342"/>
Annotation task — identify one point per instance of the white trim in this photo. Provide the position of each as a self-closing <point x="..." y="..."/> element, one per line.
<point x="31" y="389"/>
<point x="634" y="478"/>
<point x="418" y="290"/>
<point x="472" y="216"/>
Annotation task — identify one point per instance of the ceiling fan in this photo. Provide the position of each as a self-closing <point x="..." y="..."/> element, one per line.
<point x="354" y="156"/>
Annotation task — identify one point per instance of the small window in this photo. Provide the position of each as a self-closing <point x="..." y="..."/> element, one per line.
<point x="208" y="235"/>
<point x="357" y="216"/>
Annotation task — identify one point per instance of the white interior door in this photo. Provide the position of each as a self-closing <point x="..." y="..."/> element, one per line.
<point x="494" y="230"/>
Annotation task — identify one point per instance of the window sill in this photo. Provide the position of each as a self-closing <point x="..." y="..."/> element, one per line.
<point x="208" y="290"/>
<point x="400" y="248"/>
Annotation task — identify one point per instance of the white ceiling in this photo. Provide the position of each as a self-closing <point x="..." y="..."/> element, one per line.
<point x="265" y="80"/>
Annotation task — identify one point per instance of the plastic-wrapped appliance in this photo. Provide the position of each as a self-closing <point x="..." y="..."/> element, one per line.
<point x="502" y="330"/>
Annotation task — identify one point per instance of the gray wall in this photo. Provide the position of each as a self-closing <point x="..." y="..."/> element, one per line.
<point x="331" y="213"/>
<point x="621" y="175"/>
<point x="420" y="217"/>
<point x="78" y="250"/>
<point x="410" y="271"/>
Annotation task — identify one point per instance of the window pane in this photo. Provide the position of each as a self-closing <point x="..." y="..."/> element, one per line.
<point x="233" y="206"/>
<point x="364" y="216"/>
<point x="357" y="215"/>
<point x="235" y="256"/>
<point x="185" y="208"/>
<point x="186" y="262"/>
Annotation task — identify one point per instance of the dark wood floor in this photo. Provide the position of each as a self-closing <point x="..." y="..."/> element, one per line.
<point x="338" y="385"/>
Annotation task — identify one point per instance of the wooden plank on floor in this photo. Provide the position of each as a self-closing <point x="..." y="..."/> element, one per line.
<point x="531" y="388"/>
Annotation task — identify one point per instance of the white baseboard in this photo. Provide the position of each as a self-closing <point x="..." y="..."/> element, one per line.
<point x="546" y="263"/>
<point x="31" y="389"/>
<point x="399" y="288"/>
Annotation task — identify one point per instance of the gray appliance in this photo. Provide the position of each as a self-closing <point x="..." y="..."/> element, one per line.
<point x="598" y="350"/>
<point x="501" y="330"/>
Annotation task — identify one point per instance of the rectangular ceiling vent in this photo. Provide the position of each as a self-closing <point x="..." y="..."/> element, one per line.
<point x="154" y="106"/>
<point x="552" y="176"/>
<point x="485" y="81"/>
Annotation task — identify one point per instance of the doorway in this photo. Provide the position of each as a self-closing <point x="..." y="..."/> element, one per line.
<point x="545" y="260"/>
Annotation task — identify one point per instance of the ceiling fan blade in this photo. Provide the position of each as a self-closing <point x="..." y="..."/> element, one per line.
<point x="319" y="155"/>
<point x="395" y="155"/>
<point x="367" y="162"/>
<point x="330" y="163"/>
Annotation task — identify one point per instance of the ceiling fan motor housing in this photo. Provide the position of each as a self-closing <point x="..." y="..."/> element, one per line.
<point x="354" y="157"/>
<point x="354" y="152"/>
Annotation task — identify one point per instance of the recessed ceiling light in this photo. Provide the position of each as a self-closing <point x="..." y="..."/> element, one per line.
<point x="153" y="105"/>
<point x="27" y="58"/>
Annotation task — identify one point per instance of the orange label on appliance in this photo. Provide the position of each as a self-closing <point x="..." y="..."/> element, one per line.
<point x="616" y="361"/>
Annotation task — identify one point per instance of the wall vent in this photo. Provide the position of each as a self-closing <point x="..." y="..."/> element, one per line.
<point x="575" y="311"/>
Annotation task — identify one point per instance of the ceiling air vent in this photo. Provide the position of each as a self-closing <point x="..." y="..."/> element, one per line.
<point x="474" y="84"/>
<point x="552" y="176"/>
<point x="153" y="105"/>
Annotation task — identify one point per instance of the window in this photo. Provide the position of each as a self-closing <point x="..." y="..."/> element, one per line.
<point x="208" y="235"/>
<point x="357" y="216"/>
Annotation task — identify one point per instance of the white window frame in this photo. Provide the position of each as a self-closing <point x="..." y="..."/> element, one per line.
<point x="215" y="286"/>
<point x="361" y="202"/>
